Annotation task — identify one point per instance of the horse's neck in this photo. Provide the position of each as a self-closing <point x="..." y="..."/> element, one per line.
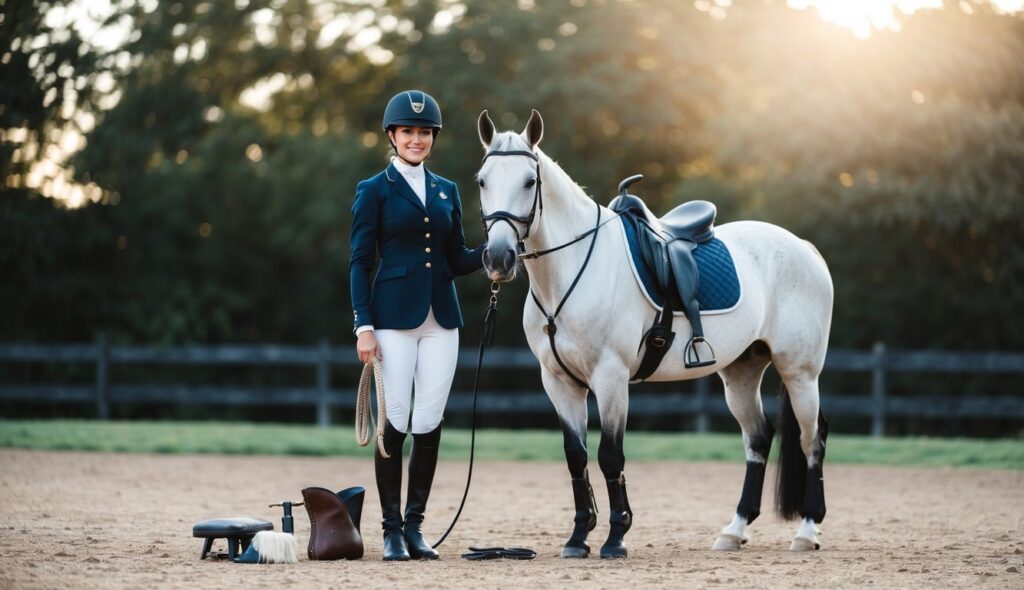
<point x="568" y="212"/>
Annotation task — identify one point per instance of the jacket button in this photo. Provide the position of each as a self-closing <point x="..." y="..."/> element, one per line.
<point x="427" y="250"/>
<point x="427" y="236"/>
<point x="426" y="220"/>
<point x="428" y="265"/>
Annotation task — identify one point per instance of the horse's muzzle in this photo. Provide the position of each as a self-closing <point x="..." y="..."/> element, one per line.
<point x="500" y="263"/>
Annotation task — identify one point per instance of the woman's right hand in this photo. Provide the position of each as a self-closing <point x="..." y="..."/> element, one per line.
<point x="367" y="347"/>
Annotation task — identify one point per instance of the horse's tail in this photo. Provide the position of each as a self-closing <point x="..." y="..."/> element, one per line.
<point x="791" y="476"/>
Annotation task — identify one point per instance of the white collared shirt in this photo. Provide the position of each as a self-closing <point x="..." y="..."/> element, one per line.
<point x="415" y="176"/>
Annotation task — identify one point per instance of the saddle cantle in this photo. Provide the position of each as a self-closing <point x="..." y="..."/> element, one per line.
<point x="666" y="246"/>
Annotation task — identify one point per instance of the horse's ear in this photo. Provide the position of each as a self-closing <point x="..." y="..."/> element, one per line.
<point x="534" y="131"/>
<point x="485" y="128"/>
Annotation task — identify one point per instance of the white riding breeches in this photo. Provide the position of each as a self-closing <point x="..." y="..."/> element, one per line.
<point x="426" y="356"/>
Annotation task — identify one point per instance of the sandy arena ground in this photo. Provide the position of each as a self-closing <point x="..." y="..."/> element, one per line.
<point x="90" y="520"/>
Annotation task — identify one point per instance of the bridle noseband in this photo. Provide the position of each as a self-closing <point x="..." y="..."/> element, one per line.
<point x="538" y="202"/>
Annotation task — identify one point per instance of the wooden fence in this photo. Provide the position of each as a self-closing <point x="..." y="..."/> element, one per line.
<point x="877" y="404"/>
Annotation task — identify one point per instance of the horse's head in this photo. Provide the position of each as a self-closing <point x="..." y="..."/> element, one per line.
<point x="509" y="192"/>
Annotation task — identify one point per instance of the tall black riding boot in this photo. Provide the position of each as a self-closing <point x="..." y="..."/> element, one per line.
<point x="389" y="488"/>
<point x="422" y="463"/>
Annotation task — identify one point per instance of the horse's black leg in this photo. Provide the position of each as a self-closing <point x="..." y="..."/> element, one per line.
<point x="814" y="494"/>
<point x="801" y="487"/>
<point x="609" y="455"/>
<point x="742" y="380"/>
<point x="575" y="442"/>
<point x="612" y="461"/>
<point x="758" y="446"/>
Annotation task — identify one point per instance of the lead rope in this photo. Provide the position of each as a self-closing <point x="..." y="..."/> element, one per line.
<point x="363" y="413"/>
<point x="486" y="340"/>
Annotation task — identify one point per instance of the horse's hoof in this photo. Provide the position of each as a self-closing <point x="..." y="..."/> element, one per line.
<point x="575" y="552"/>
<point x="729" y="542"/>
<point x="804" y="544"/>
<point x="614" y="552"/>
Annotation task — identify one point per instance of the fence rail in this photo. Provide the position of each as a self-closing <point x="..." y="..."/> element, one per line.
<point x="876" y="404"/>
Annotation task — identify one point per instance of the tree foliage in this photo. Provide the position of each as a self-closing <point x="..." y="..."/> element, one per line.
<point x="224" y="218"/>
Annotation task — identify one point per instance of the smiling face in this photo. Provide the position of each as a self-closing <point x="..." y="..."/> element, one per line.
<point x="412" y="143"/>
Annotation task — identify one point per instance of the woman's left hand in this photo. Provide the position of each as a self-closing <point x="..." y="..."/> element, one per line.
<point x="367" y="347"/>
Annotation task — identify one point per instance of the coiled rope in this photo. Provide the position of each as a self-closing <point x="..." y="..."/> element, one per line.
<point x="363" y="413"/>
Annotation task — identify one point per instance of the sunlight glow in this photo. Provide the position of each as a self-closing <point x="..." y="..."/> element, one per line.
<point x="865" y="16"/>
<point x="862" y="17"/>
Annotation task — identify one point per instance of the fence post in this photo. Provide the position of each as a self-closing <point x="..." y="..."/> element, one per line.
<point x="323" y="384"/>
<point x="878" y="390"/>
<point x="102" y="378"/>
<point x="703" y="387"/>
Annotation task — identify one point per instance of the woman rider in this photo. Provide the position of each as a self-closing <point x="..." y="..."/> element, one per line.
<point x="409" y="317"/>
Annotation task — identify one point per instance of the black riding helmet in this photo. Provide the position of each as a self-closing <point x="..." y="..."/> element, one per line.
<point x="412" y="108"/>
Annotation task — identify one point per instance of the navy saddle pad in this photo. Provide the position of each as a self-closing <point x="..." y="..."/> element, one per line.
<point x="719" y="284"/>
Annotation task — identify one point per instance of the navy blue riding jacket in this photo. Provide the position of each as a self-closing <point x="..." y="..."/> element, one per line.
<point x="422" y="248"/>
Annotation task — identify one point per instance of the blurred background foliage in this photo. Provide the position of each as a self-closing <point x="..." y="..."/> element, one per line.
<point x="216" y="150"/>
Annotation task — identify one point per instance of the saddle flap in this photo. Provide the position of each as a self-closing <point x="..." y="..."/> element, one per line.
<point x="333" y="534"/>
<point x="652" y="250"/>
<point x="684" y="272"/>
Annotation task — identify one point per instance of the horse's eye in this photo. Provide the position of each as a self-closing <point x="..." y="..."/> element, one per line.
<point x="531" y="182"/>
<point x="480" y="181"/>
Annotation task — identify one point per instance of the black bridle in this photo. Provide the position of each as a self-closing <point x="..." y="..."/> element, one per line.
<point x="538" y="204"/>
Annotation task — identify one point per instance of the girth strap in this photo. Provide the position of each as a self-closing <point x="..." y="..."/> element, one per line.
<point x="658" y="340"/>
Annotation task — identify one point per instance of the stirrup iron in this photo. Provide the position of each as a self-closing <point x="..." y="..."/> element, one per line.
<point x="691" y="358"/>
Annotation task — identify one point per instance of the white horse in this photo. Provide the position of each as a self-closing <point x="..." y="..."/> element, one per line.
<point x="783" y="317"/>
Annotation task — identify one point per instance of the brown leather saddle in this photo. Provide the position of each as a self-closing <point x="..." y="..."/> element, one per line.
<point x="334" y="522"/>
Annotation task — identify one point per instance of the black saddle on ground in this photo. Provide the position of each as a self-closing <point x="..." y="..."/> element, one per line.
<point x="238" y="531"/>
<point x="666" y="246"/>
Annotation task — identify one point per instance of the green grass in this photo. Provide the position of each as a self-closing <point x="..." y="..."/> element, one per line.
<point x="235" y="438"/>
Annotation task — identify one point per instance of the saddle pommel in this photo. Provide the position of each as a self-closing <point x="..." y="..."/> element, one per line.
<point x="624" y="185"/>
